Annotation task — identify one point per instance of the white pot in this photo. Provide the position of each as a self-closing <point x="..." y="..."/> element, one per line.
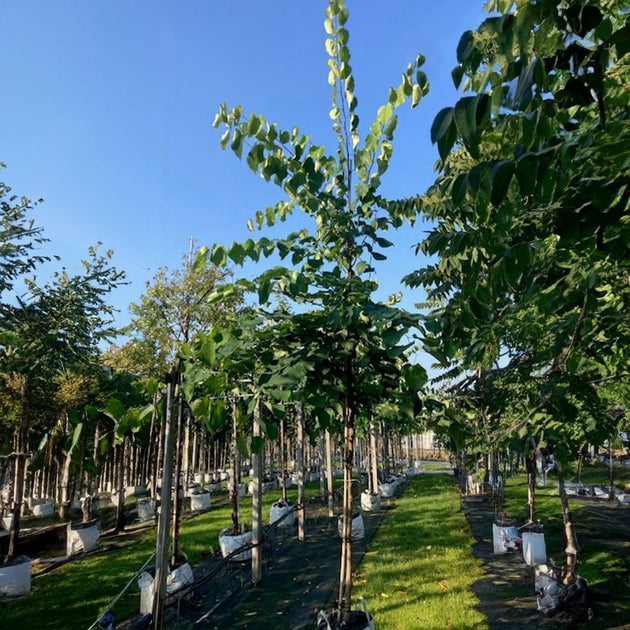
<point x="199" y="502"/>
<point x="7" y="521"/>
<point x="134" y="491"/>
<point x="43" y="507"/>
<point x="15" y="578"/>
<point x="81" y="537"/>
<point x="278" y="510"/>
<point x="147" y="591"/>
<point x="505" y="538"/>
<point x="145" y="507"/>
<point x="370" y="502"/>
<point x="358" y="528"/>
<point x="231" y="542"/>
<point x="534" y="550"/>
<point x="387" y="489"/>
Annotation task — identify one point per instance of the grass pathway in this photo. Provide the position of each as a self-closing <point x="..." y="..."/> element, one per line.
<point x="419" y="571"/>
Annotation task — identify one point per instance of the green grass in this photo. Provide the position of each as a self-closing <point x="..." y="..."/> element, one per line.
<point x="74" y="595"/>
<point x="419" y="570"/>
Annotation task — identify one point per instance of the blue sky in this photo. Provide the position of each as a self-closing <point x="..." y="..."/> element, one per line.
<point x="108" y="105"/>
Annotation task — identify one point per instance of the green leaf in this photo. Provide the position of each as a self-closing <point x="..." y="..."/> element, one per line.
<point x="501" y="176"/>
<point x="465" y="46"/>
<point x="114" y="409"/>
<point x="218" y="257"/>
<point x="441" y="124"/>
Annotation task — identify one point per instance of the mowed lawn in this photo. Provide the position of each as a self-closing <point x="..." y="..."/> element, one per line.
<point x="419" y="570"/>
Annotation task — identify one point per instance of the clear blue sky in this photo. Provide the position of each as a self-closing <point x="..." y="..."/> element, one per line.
<point x="107" y="109"/>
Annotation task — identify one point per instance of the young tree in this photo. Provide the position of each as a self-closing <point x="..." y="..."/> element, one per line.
<point x="530" y="207"/>
<point x="331" y="266"/>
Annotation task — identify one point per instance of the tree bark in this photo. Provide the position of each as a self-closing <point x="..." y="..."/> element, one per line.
<point x="572" y="546"/>
<point x="329" y="475"/>
<point x="530" y="466"/>
<point x="257" y="555"/>
<point x="161" y="547"/>
<point x="300" y="467"/>
<point x="345" y="574"/>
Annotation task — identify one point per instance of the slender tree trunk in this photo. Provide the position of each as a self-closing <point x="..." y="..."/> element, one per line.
<point x="373" y="458"/>
<point x="257" y="556"/>
<point x="322" y="474"/>
<point x="530" y="466"/>
<point x="283" y="473"/>
<point x="345" y="574"/>
<point x="120" y="465"/>
<point x="329" y="474"/>
<point x="300" y="466"/>
<point x="64" y="501"/>
<point x="572" y="546"/>
<point x="611" y="473"/>
<point x="161" y="548"/>
<point x="236" y="525"/>
<point x="177" y="499"/>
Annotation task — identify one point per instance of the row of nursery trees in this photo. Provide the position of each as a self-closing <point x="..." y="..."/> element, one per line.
<point x="527" y="282"/>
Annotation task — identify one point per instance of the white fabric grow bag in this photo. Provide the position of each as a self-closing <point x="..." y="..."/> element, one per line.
<point x="81" y="538"/>
<point x="387" y="489"/>
<point x="145" y="507"/>
<point x="278" y="510"/>
<point x="15" y="578"/>
<point x="7" y="521"/>
<point x="230" y="543"/>
<point x="370" y="502"/>
<point x="200" y="501"/>
<point x="179" y="577"/>
<point x="358" y="528"/>
<point x="504" y="538"/>
<point x="43" y="507"/>
<point x="534" y="550"/>
<point x="147" y="591"/>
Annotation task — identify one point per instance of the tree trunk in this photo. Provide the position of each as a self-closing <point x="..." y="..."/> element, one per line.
<point x="120" y="508"/>
<point x="345" y="574"/>
<point x="283" y="480"/>
<point x="322" y="474"/>
<point x="300" y="467"/>
<point x="177" y="499"/>
<point x="236" y="525"/>
<point x="329" y="475"/>
<point x="373" y="458"/>
<point x="64" y="501"/>
<point x="161" y="547"/>
<point x="19" y="472"/>
<point x="611" y="473"/>
<point x="572" y="546"/>
<point x="257" y="557"/>
<point x="530" y="466"/>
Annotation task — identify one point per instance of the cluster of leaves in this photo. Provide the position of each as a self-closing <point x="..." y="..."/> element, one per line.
<point x="531" y="207"/>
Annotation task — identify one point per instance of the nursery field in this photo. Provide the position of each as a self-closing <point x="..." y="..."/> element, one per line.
<point x="427" y="561"/>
